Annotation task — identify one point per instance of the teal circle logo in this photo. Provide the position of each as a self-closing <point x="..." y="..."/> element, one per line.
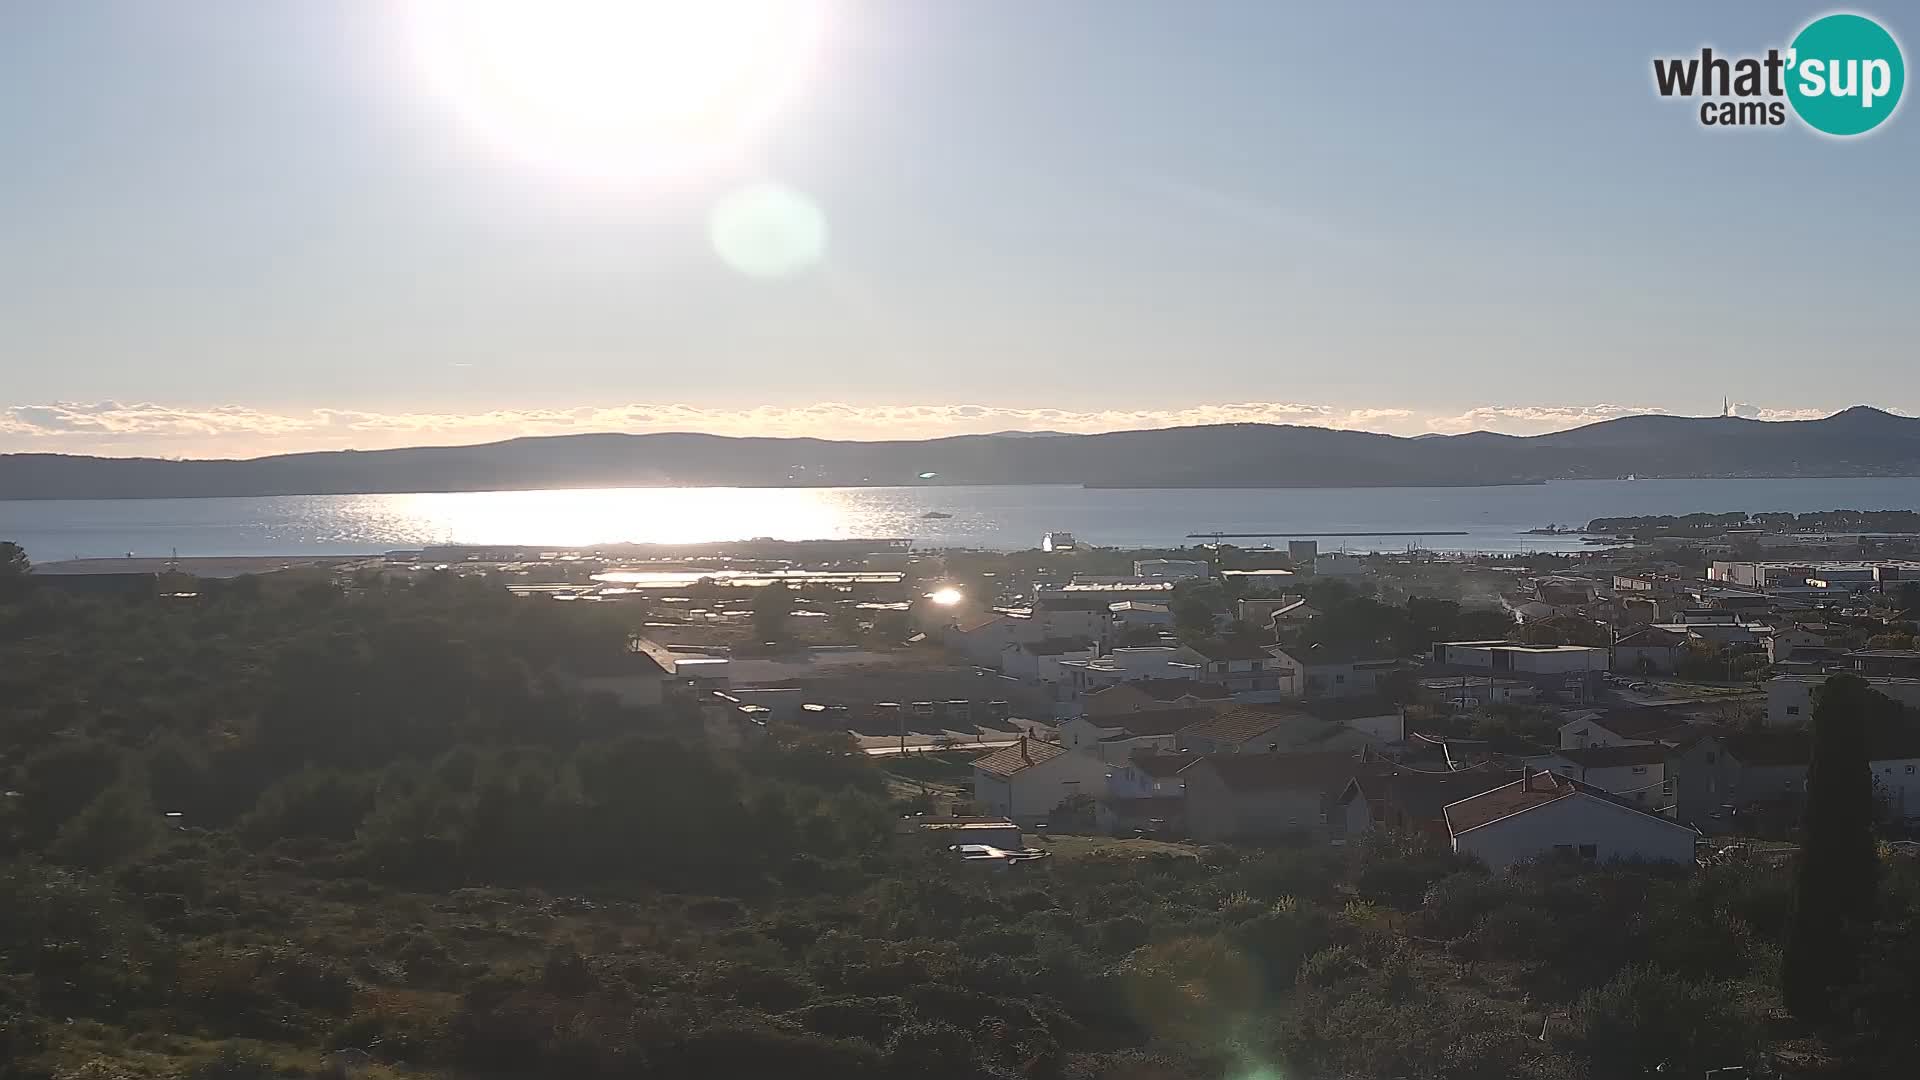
<point x="1845" y="74"/>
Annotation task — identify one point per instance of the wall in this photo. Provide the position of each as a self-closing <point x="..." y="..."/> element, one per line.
<point x="1030" y="795"/>
<point x="1583" y="733"/>
<point x="1896" y="782"/>
<point x="1790" y="700"/>
<point x="1216" y="812"/>
<point x="1659" y="658"/>
<point x="1615" y="831"/>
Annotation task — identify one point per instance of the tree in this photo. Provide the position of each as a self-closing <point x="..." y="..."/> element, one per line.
<point x="772" y="608"/>
<point x="14" y="568"/>
<point x="1834" y="891"/>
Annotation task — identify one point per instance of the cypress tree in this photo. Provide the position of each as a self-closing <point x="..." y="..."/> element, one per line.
<point x="1834" y="892"/>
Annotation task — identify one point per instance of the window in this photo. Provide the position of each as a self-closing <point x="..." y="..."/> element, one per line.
<point x="1793" y="710"/>
<point x="1639" y="770"/>
<point x="1711" y="758"/>
<point x="1909" y="770"/>
<point x="1339" y="678"/>
<point x="1563" y="849"/>
<point x="1589" y="852"/>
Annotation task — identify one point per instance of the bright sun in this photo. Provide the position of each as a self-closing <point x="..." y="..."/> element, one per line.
<point x="617" y="89"/>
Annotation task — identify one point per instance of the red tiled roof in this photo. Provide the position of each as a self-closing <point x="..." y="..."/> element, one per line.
<point x="1531" y="790"/>
<point x="1153" y="721"/>
<point x="1022" y="755"/>
<point x="1243" y="722"/>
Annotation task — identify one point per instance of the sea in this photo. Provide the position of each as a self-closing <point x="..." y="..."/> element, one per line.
<point x="1455" y="519"/>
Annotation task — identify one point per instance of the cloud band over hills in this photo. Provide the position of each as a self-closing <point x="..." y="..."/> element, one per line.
<point x="151" y="429"/>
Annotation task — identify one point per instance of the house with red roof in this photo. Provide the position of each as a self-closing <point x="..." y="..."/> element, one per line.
<point x="1543" y="815"/>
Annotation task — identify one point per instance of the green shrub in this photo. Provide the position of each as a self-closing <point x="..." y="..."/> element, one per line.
<point x="1646" y="1018"/>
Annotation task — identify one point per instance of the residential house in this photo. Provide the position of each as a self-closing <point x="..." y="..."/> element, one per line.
<point x="1787" y="639"/>
<point x="1897" y="663"/>
<point x="1384" y="794"/>
<point x="1742" y="782"/>
<point x="1266" y="797"/>
<point x="1171" y="569"/>
<point x="1790" y="698"/>
<point x="1477" y="690"/>
<point x="1141" y="695"/>
<point x="1026" y="781"/>
<point x="1073" y="617"/>
<point x="1636" y="773"/>
<point x="1148" y="793"/>
<point x="1380" y="720"/>
<point x="1544" y="815"/>
<point x="630" y="676"/>
<point x="1253" y="729"/>
<point x="1318" y="671"/>
<point x="982" y="637"/>
<point x="1241" y="666"/>
<point x="1623" y="727"/>
<point x="1649" y="650"/>
<point x="1119" y="737"/>
<point x="1035" y="661"/>
<point x="1139" y="615"/>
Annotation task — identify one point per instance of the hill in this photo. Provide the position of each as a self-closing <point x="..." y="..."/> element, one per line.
<point x="1860" y="441"/>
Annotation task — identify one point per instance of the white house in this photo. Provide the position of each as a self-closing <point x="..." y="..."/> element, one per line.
<point x="1785" y="640"/>
<point x="1139" y="614"/>
<point x="1150" y="776"/>
<point x="1544" y="815"/>
<point x="1620" y="727"/>
<point x="1119" y="737"/>
<point x="1260" y="582"/>
<point x="1635" y="773"/>
<point x="1320" y="672"/>
<point x="1026" y="781"/>
<point x="1171" y="569"/>
<point x="1648" y="650"/>
<point x="1242" y="666"/>
<point x="1790" y="697"/>
<point x="1040" y="661"/>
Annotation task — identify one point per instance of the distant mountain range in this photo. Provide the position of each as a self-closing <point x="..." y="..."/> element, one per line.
<point x="1861" y="441"/>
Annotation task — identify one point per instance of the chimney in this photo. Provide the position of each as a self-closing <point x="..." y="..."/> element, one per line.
<point x="1024" y="755"/>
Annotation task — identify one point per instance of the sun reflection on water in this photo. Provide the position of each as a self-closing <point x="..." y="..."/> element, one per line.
<point x="581" y="518"/>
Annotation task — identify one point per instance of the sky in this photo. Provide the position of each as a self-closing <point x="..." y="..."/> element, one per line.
<point x="242" y="227"/>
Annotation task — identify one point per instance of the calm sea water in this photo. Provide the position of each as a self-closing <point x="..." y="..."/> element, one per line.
<point x="1493" y="518"/>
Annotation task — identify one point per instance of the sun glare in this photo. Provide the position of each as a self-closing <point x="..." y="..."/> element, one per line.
<point x="946" y="597"/>
<point x="617" y="89"/>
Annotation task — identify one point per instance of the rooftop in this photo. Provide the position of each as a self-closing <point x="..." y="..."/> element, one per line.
<point x="1534" y="789"/>
<point x="1152" y="721"/>
<point x="1243" y="722"/>
<point x="1232" y="650"/>
<point x="1324" y="771"/>
<point x="1021" y="755"/>
<point x="1422" y="794"/>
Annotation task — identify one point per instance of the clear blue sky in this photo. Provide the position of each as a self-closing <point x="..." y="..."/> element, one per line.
<point x="217" y="217"/>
